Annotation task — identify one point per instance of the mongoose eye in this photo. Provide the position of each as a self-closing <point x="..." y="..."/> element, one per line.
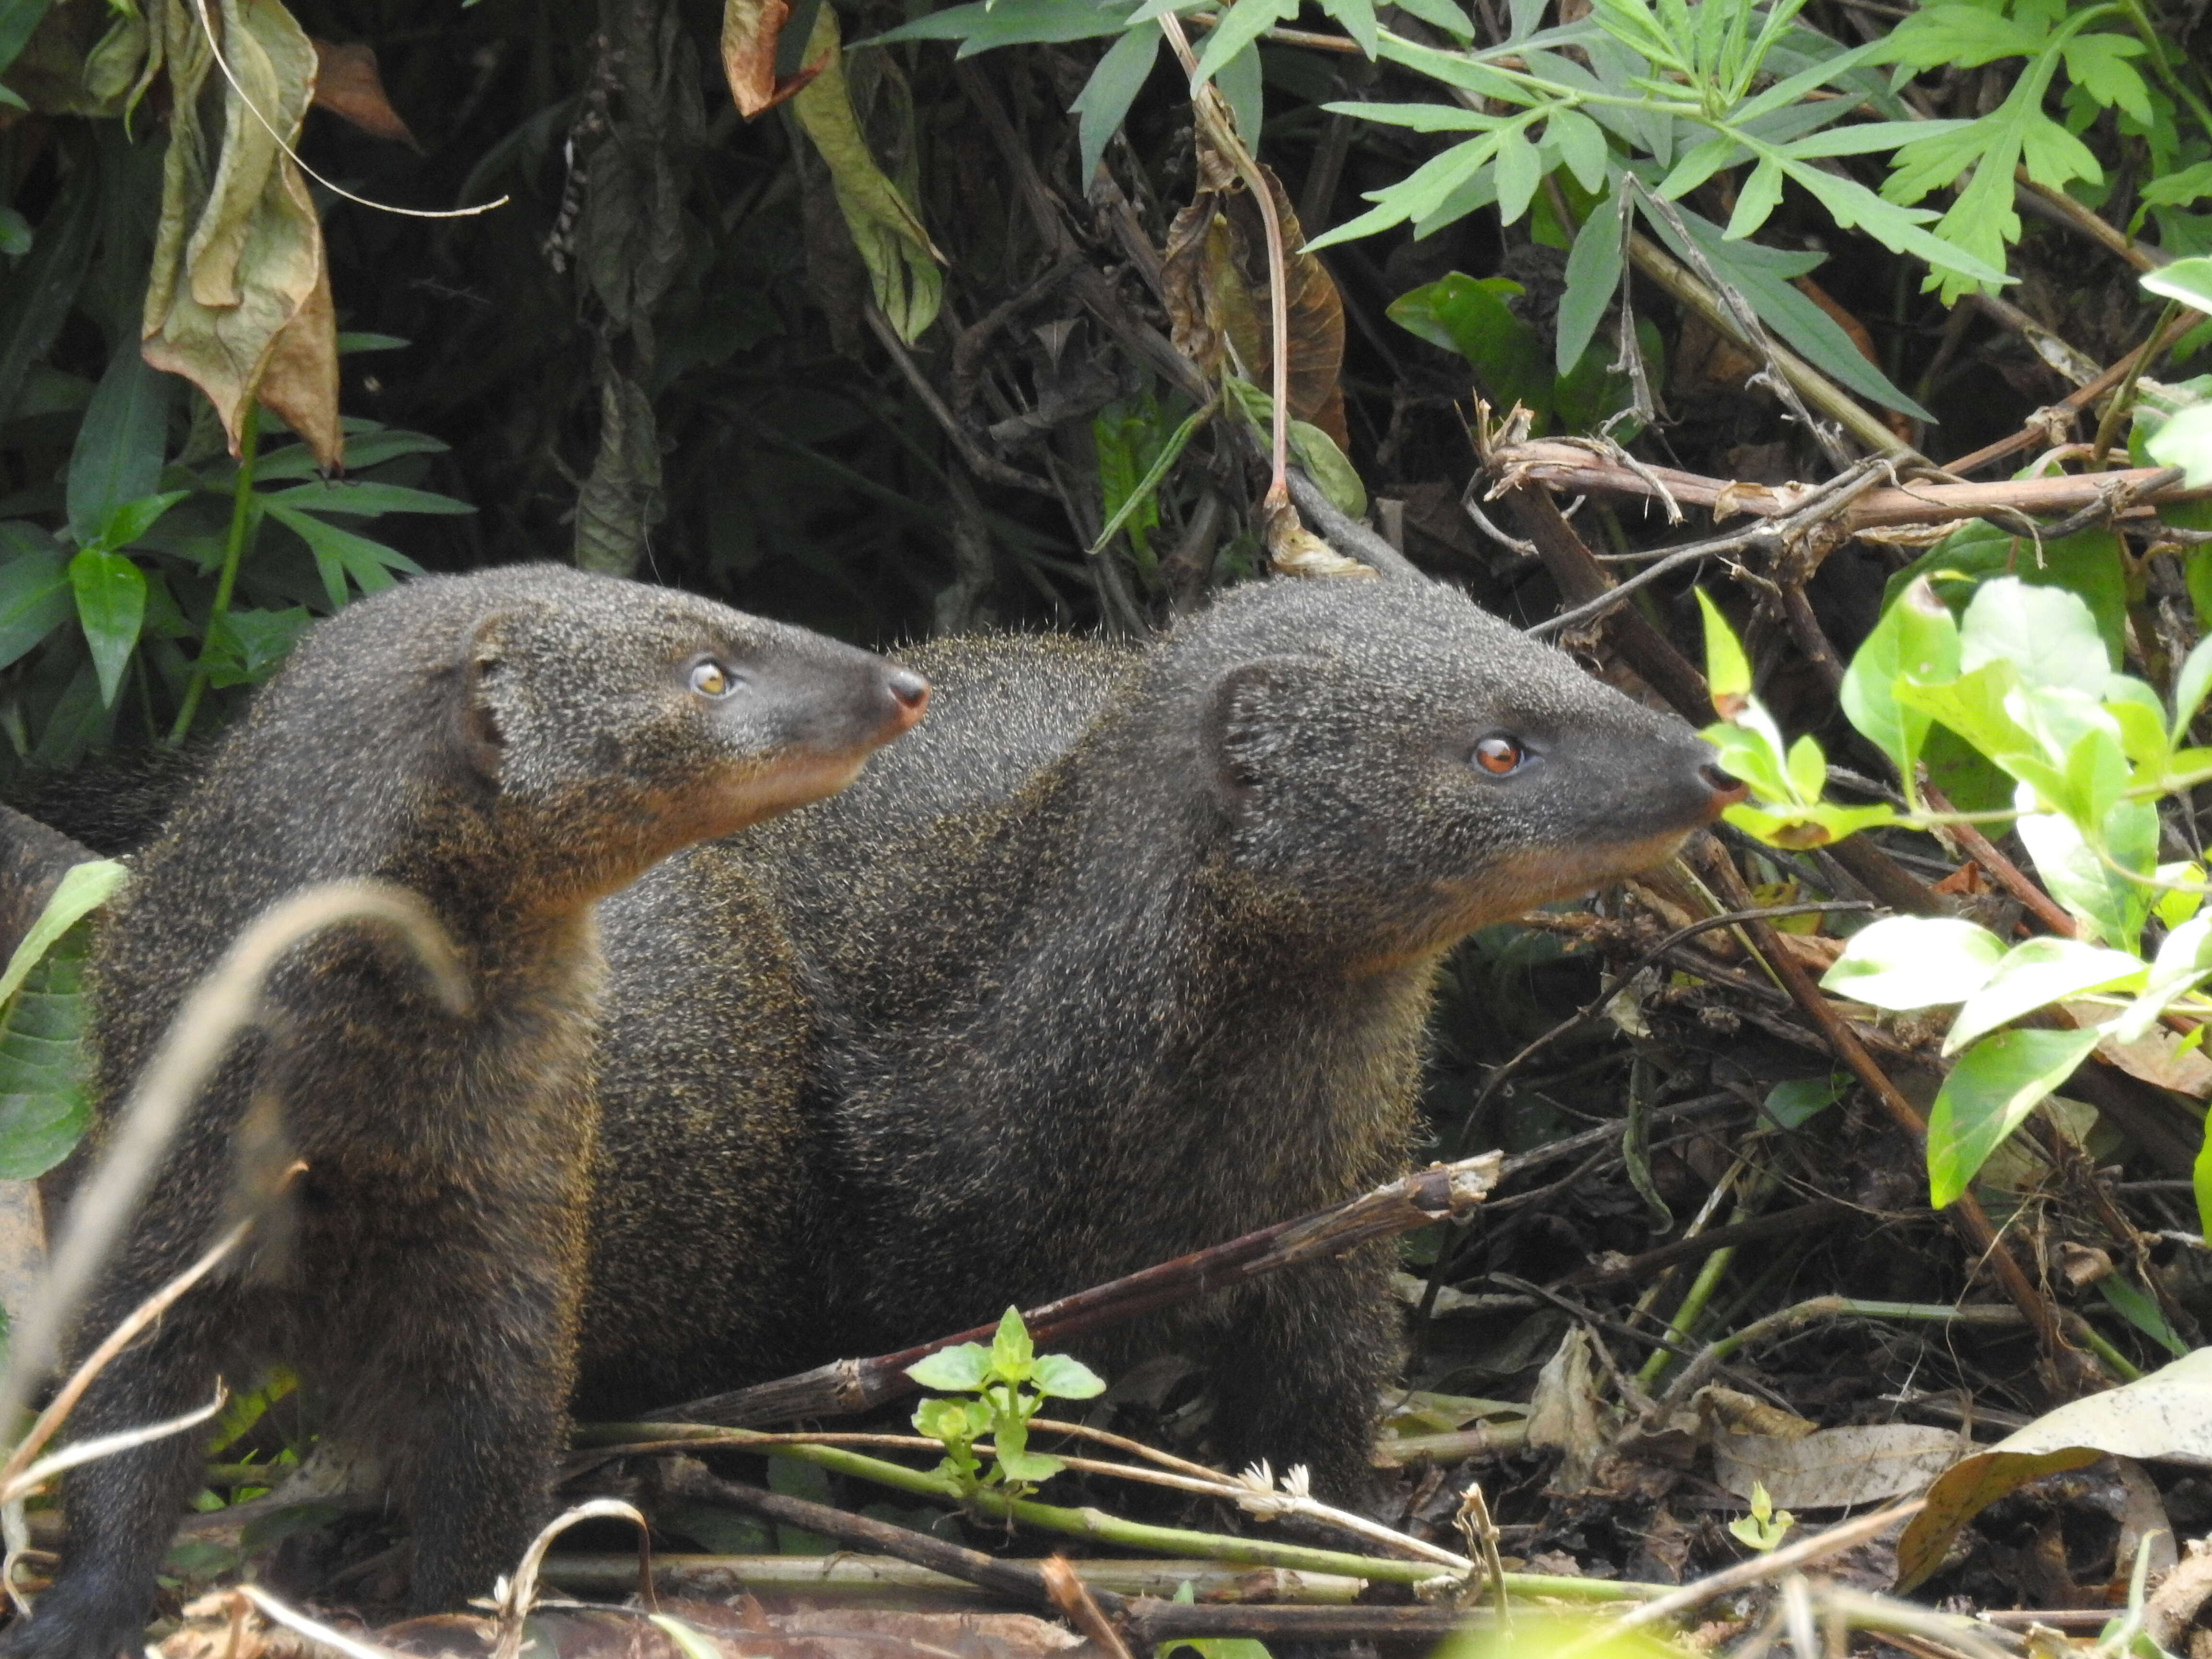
<point x="711" y="679"/>
<point x="1499" y="755"/>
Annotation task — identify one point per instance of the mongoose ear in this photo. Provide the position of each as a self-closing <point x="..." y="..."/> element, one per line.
<point x="1246" y="723"/>
<point x="481" y="739"/>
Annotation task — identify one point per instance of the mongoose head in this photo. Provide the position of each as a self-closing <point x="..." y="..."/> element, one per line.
<point x="1401" y="767"/>
<point x="589" y="703"/>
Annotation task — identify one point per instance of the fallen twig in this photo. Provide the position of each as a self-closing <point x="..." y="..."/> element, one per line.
<point x="1442" y="1191"/>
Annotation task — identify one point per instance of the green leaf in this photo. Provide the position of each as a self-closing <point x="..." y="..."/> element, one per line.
<point x="1581" y="145"/>
<point x="1011" y="1348"/>
<point x="19" y="20"/>
<point x="1357" y="19"/>
<point x="362" y="451"/>
<point x="1338" y="480"/>
<point x="2137" y="1307"/>
<point x="1243" y="86"/>
<point x="111" y="604"/>
<point x="1593" y="278"/>
<point x="1063" y="1378"/>
<point x="1439" y="14"/>
<point x="1240" y="26"/>
<point x="246" y="647"/>
<point x="959" y="1369"/>
<point x="340" y="553"/>
<point x="2034" y="974"/>
<point x="1760" y="194"/>
<point x="34" y="589"/>
<point x="1727" y="670"/>
<point x="2108" y="905"/>
<point x="1104" y="101"/>
<point x="129" y="520"/>
<point x="119" y="447"/>
<point x="1987" y="1095"/>
<point x="1519" y="169"/>
<point x="83" y="889"/>
<point x="1801" y="1099"/>
<point x="2184" y="959"/>
<point x="1028" y="1466"/>
<point x="1915" y="640"/>
<point x="2185" y="441"/>
<point x="986" y="24"/>
<point x="1915" y="961"/>
<point x="2048" y="633"/>
<point x="2189" y="280"/>
<point x="2098" y="65"/>
<point x="1461" y="313"/>
<point x="363" y="500"/>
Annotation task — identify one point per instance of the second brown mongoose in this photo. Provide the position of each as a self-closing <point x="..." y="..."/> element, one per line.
<point x="512" y="747"/>
<point x="1125" y="953"/>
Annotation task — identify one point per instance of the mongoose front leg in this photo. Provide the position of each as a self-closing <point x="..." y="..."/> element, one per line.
<point x="123" y="1509"/>
<point x="1299" y="1374"/>
<point x="477" y="1463"/>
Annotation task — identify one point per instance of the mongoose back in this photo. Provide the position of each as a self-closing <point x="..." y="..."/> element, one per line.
<point x="1125" y="954"/>
<point x="511" y="746"/>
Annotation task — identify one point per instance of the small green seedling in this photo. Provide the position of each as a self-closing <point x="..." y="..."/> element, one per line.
<point x="1766" y="1526"/>
<point x="1009" y="1381"/>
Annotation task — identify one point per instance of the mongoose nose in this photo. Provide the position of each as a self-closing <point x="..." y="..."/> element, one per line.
<point x="1727" y="791"/>
<point x="911" y="692"/>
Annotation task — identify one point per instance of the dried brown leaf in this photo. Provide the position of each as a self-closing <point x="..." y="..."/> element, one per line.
<point x="348" y="85"/>
<point x="751" y="29"/>
<point x="238" y="299"/>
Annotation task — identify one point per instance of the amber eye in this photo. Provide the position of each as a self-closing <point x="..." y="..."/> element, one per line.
<point x="710" y="679"/>
<point x="1499" y="756"/>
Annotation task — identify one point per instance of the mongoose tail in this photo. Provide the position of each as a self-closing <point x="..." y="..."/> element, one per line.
<point x="511" y="746"/>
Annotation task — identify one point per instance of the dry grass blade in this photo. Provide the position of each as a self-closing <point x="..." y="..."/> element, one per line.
<point x="224" y="1003"/>
<point x="516" y="1595"/>
<point x="314" y="1630"/>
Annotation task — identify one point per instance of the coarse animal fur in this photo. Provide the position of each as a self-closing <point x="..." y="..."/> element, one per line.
<point x="1126" y="953"/>
<point x="512" y="747"/>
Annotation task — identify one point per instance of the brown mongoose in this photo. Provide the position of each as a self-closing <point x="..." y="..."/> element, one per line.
<point x="1123" y="954"/>
<point x="512" y="746"/>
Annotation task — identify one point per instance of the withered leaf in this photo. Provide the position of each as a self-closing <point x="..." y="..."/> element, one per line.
<point x="1215" y="271"/>
<point x="750" y="32"/>
<point x="348" y="85"/>
<point x="238" y="299"/>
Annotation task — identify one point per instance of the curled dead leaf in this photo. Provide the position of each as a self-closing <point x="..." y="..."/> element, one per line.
<point x="348" y="85"/>
<point x="750" y="30"/>
<point x="1215" y="274"/>
<point x="1295" y="550"/>
<point x="238" y="300"/>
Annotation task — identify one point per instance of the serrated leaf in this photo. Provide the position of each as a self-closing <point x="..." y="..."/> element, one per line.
<point x="2098" y="65"/>
<point x="1989" y="1094"/>
<point x="1012" y="1350"/>
<point x="1066" y="1378"/>
<point x="959" y="1369"/>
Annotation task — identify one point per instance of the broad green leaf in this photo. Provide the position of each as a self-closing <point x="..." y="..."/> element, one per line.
<point x="1808" y="768"/>
<point x="19" y="20"/>
<point x="2189" y="280"/>
<point x="1801" y="1099"/>
<point x="1753" y="756"/>
<point x="1113" y="87"/>
<point x="1445" y="15"/>
<point x="111" y="604"/>
<point x="955" y="1370"/>
<point x="1581" y="145"/>
<point x="1461" y="313"/>
<point x="1519" y="169"/>
<point x="1915" y="640"/>
<point x="2109" y="907"/>
<point x="1798" y="827"/>
<point x="1426" y="188"/>
<point x="2035" y="973"/>
<point x="121" y="445"/>
<point x="1727" y="670"/>
<point x="1338" y="480"/>
<point x="245" y="647"/>
<point x="1028" y="1466"/>
<point x="2098" y="65"/>
<point x="2180" y="902"/>
<point x="1989" y="1094"/>
<point x="2185" y="441"/>
<point x="1357" y="19"/>
<point x="1975" y="706"/>
<point x="1243" y="86"/>
<point x="1915" y="961"/>
<point x="83" y="889"/>
<point x="2047" y="633"/>
<point x="43" y="1067"/>
<point x="1057" y="1375"/>
<point x="2138" y="1308"/>
<point x="1760" y="194"/>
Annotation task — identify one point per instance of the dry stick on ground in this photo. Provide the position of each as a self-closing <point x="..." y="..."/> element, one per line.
<point x="1442" y="1192"/>
<point x="1966" y="1214"/>
<point x="1076" y="1604"/>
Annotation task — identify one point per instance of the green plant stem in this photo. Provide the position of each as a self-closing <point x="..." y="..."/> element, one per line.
<point x="2156" y="44"/>
<point x="1694" y="1304"/>
<point x="2108" y="425"/>
<point x="1098" y="1526"/>
<point x="243" y="517"/>
<point x="2086" y="1333"/>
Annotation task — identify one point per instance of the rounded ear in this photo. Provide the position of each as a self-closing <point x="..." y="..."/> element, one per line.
<point x="483" y="741"/>
<point x="1248" y="721"/>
